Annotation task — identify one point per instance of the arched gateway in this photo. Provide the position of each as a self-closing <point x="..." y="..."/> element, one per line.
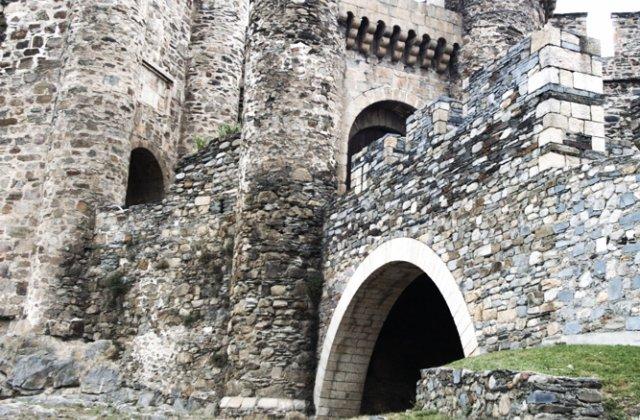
<point x="399" y="272"/>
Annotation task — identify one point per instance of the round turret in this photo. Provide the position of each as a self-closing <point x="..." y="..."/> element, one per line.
<point x="492" y="26"/>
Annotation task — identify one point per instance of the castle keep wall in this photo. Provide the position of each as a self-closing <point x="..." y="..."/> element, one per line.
<point x="575" y="23"/>
<point x="622" y="83"/>
<point x="373" y="75"/>
<point x="31" y="55"/>
<point x="85" y="108"/>
<point x="216" y="70"/>
<point x="538" y="252"/>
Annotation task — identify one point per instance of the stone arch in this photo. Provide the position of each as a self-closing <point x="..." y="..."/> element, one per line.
<point x="146" y="179"/>
<point x="367" y="299"/>
<point x="355" y="108"/>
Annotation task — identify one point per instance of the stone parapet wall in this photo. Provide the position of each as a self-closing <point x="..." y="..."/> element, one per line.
<point x="537" y="249"/>
<point x="157" y="279"/>
<point x="507" y="394"/>
<point x="575" y="23"/>
<point x="622" y="83"/>
<point x="626" y="62"/>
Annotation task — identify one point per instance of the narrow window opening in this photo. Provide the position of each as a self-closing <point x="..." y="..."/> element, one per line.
<point x="146" y="183"/>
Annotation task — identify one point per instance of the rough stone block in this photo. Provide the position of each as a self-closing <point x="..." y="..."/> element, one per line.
<point x="542" y="78"/>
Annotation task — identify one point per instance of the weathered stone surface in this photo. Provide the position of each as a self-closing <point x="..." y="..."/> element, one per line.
<point x="101" y="379"/>
<point x="520" y="394"/>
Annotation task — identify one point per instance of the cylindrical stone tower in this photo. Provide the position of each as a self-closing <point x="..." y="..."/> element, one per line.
<point x="288" y="175"/>
<point x="215" y="75"/>
<point x="492" y="26"/>
<point x="89" y="147"/>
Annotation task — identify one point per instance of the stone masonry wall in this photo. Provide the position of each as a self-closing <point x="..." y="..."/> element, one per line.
<point x="622" y="82"/>
<point x="31" y="59"/>
<point x="370" y="78"/>
<point x="216" y="69"/>
<point x="506" y="394"/>
<point x="492" y="26"/>
<point x="537" y="252"/>
<point x="158" y="279"/>
<point x="81" y="101"/>
<point x="575" y="23"/>
<point x="287" y="177"/>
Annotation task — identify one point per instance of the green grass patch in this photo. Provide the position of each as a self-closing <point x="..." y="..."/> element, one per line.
<point x="618" y="367"/>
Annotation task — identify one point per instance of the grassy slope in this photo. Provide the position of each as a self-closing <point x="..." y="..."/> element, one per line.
<point x="617" y="366"/>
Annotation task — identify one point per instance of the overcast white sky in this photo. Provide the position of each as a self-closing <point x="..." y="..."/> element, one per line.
<point x="599" y="22"/>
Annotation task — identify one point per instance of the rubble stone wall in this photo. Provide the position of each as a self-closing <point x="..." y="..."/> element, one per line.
<point x="622" y="83"/>
<point x="31" y="59"/>
<point x="216" y="69"/>
<point x="287" y="177"/>
<point x="507" y="394"/>
<point x="538" y="250"/>
<point x="86" y="83"/>
<point x="158" y="279"/>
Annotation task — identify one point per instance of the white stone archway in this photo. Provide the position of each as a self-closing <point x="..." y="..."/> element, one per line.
<point x="361" y="311"/>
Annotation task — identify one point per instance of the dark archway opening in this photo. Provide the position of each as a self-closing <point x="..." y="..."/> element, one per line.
<point x="373" y="123"/>
<point x="418" y="333"/>
<point x="146" y="183"/>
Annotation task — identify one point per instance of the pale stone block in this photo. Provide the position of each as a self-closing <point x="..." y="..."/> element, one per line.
<point x="555" y="120"/>
<point x="597" y="113"/>
<point x="597" y="67"/>
<point x="547" y="36"/>
<point x="542" y="78"/>
<point x="545" y="107"/>
<point x="588" y="82"/>
<point x="566" y="78"/>
<point x="553" y="56"/>
<point x="581" y="111"/>
<point x="441" y="115"/>
<point x="593" y="129"/>
<point x="551" y="160"/>
<point x="576" y="126"/>
<point x="565" y="108"/>
<point x="551" y="135"/>
<point x="203" y="200"/>
<point x="599" y="144"/>
<point x="570" y="38"/>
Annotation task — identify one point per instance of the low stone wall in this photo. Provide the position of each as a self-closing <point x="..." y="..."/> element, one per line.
<point x="507" y="394"/>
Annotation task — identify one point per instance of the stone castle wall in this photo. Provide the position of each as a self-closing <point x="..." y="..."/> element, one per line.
<point x="158" y="279"/>
<point x="72" y="113"/>
<point x="216" y="70"/>
<point x="374" y="76"/>
<point x="622" y="83"/>
<point x="537" y="252"/>
<point x="575" y="23"/>
<point x="506" y="394"/>
<point x="31" y="56"/>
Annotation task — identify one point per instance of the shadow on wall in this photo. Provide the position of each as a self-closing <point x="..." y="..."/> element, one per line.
<point x="418" y="333"/>
<point x="373" y="123"/>
<point x="145" y="183"/>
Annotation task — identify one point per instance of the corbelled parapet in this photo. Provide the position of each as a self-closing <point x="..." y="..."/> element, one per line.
<point x="492" y="26"/>
<point x="388" y="41"/>
<point x="293" y="75"/>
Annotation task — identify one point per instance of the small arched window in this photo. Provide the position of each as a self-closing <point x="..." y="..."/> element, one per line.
<point x="373" y="123"/>
<point x="146" y="183"/>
